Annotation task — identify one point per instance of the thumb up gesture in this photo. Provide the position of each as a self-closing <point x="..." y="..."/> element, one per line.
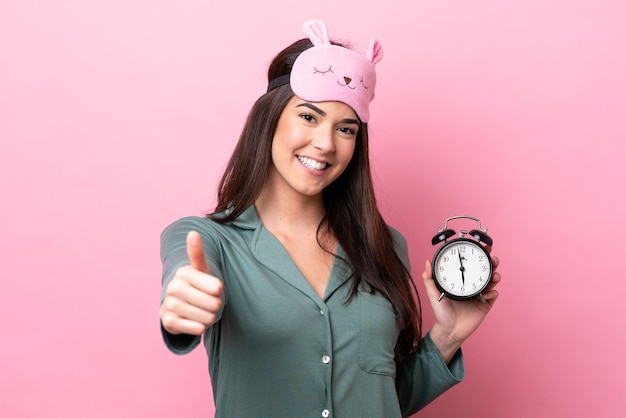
<point x="193" y="296"/>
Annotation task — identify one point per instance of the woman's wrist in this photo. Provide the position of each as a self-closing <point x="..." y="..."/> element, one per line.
<point x="445" y="343"/>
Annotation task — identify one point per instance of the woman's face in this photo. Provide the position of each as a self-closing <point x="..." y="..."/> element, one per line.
<point x="312" y="145"/>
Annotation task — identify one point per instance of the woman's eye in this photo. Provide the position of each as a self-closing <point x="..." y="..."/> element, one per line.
<point x="346" y="130"/>
<point x="308" y="117"/>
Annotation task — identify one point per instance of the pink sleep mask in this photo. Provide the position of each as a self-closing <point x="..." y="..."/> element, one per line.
<point x="327" y="72"/>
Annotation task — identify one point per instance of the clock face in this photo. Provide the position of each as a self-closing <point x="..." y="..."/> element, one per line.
<point x="462" y="268"/>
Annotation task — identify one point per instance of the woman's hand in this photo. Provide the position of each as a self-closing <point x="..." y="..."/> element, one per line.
<point x="193" y="297"/>
<point x="456" y="320"/>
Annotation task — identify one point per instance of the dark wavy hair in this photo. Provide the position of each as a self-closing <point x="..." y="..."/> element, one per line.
<point x="352" y="214"/>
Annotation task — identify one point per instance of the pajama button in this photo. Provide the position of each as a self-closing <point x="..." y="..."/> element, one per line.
<point x="325" y="359"/>
<point x="325" y="413"/>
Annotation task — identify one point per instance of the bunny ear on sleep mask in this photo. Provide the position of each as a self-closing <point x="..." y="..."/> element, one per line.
<point x="327" y="72"/>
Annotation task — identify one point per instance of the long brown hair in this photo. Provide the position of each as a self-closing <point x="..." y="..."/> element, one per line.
<point x="352" y="214"/>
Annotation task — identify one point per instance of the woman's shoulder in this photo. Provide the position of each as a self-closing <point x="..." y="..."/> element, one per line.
<point x="209" y="230"/>
<point x="190" y="223"/>
<point x="400" y="245"/>
<point x="398" y="239"/>
<point x="210" y="226"/>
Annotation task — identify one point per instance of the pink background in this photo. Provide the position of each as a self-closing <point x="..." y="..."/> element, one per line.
<point x="118" y="117"/>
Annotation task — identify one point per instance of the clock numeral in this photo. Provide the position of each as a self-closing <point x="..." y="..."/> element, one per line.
<point x="446" y="258"/>
<point x="440" y="268"/>
<point x="484" y="268"/>
<point x="452" y="285"/>
<point x="462" y="249"/>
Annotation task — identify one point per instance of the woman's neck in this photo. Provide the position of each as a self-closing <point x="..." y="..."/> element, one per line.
<point x="283" y="213"/>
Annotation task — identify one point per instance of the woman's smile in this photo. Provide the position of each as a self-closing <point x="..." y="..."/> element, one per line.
<point x="312" y="164"/>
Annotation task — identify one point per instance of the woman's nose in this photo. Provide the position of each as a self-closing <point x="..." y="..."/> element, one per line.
<point x="323" y="140"/>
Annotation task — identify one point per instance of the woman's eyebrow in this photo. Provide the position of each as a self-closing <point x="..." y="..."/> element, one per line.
<point x="352" y="121"/>
<point x="313" y="108"/>
<point x="321" y="112"/>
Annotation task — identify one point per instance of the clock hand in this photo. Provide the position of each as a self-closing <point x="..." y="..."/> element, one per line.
<point x="462" y="268"/>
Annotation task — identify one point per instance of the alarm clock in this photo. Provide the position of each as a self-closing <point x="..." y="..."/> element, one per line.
<point x="462" y="267"/>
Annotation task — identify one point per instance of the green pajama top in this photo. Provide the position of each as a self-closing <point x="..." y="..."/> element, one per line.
<point x="280" y="351"/>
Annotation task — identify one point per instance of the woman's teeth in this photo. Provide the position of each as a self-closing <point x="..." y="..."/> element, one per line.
<point x="312" y="164"/>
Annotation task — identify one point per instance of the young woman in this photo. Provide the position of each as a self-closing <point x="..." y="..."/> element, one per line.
<point x="301" y="291"/>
